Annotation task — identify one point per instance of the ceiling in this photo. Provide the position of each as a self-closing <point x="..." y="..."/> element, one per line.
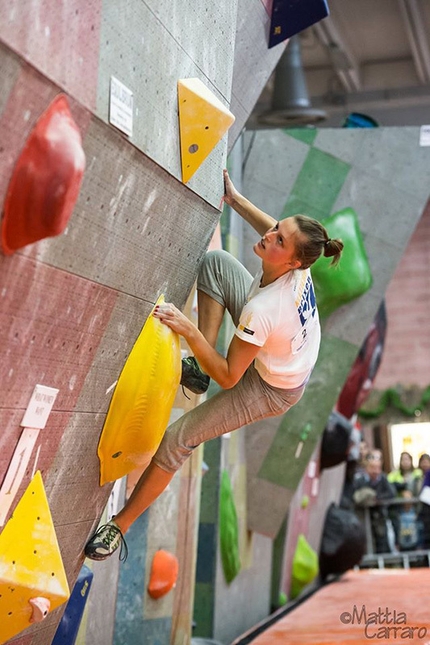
<point x="368" y="56"/>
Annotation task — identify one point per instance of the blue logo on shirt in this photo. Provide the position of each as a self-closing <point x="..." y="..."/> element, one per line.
<point x="307" y="305"/>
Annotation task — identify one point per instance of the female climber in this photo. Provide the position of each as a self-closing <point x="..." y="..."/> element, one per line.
<point x="269" y="360"/>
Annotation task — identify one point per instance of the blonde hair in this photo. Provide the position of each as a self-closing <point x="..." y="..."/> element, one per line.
<point x="314" y="241"/>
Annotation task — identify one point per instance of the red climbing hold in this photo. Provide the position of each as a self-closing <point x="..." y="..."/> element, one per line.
<point x="46" y="181"/>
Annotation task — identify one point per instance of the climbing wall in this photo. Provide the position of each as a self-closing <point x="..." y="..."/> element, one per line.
<point x="383" y="174"/>
<point x="73" y="305"/>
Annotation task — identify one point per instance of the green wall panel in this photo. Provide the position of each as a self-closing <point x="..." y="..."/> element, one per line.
<point x="307" y="135"/>
<point x="317" y="185"/>
<point x="204" y="609"/>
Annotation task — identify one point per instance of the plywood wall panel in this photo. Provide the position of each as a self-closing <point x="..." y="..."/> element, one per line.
<point x="186" y="548"/>
<point x="134" y="228"/>
<point x="10" y="67"/>
<point x="125" y="323"/>
<point x="59" y="38"/>
<point x="71" y="479"/>
<point x="81" y="45"/>
<point x="26" y="95"/>
<point x="10" y="420"/>
<point x="51" y="325"/>
<point x="22" y="640"/>
<point x="73" y="474"/>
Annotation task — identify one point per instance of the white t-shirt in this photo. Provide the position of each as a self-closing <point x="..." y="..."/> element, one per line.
<point x="283" y="320"/>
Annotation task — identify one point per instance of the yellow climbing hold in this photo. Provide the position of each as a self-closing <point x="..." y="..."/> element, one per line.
<point x="31" y="567"/>
<point x="203" y="121"/>
<point x="140" y="408"/>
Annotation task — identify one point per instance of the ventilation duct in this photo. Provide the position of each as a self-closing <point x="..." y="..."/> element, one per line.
<point x="290" y="100"/>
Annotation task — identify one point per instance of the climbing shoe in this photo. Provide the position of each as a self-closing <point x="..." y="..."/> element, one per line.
<point x="192" y="376"/>
<point x="105" y="541"/>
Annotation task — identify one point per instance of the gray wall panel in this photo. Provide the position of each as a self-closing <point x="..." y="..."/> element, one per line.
<point x="134" y="228"/>
<point x="190" y="42"/>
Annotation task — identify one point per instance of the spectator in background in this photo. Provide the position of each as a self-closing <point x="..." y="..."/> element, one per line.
<point x="406" y="476"/>
<point x="424" y="462"/>
<point x="408" y="527"/>
<point x="423" y="467"/>
<point x="424" y="512"/>
<point x="372" y="487"/>
<point x="364" y="453"/>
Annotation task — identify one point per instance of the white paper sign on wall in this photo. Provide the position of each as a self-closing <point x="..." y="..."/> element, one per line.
<point x="121" y="106"/>
<point x="40" y="406"/>
<point x="425" y="135"/>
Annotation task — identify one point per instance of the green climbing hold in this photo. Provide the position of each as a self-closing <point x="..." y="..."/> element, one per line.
<point x="283" y="599"/>
<point x="336" y="286"/>
<point x="305" y="566"/>
<point x="229" y="533"/>
<point x="304" y="433"/>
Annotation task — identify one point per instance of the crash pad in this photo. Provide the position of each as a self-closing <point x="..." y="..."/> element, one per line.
<point x="142" y="401"/>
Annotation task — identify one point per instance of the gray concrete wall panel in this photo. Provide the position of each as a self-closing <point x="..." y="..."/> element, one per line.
<point x="149" y="47"/>
<point x="272" y="165"/>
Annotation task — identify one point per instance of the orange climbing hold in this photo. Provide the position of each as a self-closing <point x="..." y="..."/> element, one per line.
<point x="46" y="181"/>
<point x="164" y="573"/>
<point x="40" y="607"/>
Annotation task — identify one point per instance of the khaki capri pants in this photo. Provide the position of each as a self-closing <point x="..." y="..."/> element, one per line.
<point x="223" y="278"/>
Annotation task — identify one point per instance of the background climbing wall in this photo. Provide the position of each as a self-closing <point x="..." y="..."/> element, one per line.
<point x="72" y="306"/>
<point x="407" y="352"/>
<point x="383" y="175"/>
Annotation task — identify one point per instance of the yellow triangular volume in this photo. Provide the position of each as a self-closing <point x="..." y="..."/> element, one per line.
<point x="142" y="401"/>
<point x="203" y="121"/>
<point x="30" y="562"/>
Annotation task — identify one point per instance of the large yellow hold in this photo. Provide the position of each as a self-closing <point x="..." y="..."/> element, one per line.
<point x="141" y="404"/>
<point x="31" y="567"/>
<point x="203" y="121"/>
